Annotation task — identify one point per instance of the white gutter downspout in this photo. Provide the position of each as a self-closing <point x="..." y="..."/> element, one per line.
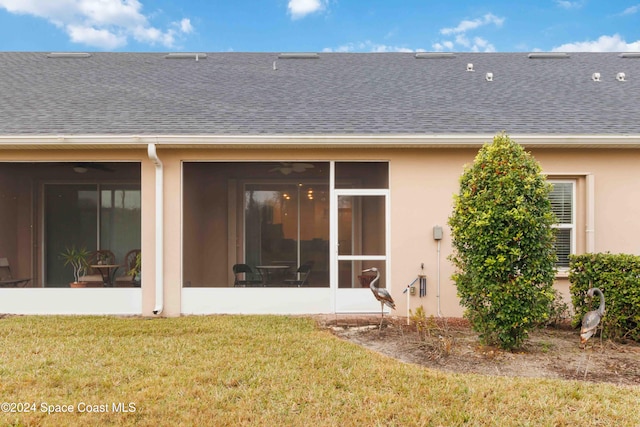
<point x="151" y="150"/>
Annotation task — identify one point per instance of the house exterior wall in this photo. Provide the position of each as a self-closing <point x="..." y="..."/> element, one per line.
<point x="422" y="182"/>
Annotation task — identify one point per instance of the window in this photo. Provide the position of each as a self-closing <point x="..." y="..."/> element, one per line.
<point x="562" y="199"/>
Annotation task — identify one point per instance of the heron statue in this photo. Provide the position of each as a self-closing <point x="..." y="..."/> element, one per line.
<point x="381" y="294"/>
<point x="591" y="320"/>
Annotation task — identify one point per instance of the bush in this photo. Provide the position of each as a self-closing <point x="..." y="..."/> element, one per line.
<point x="503" y="239"/>
<point x="618" y="277"/>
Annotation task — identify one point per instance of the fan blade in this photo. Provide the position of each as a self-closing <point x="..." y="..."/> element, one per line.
<point x="97" y="166"/>
<point x="301" y="167"/>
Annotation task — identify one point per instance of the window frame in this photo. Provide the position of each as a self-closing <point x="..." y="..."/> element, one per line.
<point x="572" y="226"/>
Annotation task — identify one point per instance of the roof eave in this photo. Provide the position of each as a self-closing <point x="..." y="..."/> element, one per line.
<point x="22" y="142"/>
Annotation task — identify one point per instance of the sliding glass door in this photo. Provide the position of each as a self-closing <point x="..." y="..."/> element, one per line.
<point x="287" y="225"/>
<point x="93" y="216"/>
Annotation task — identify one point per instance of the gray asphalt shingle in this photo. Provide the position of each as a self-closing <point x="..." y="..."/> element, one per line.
<point x="339" y="93"/>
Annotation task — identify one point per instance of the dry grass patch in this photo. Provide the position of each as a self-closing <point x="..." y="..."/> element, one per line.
<point x="262" y="370"/>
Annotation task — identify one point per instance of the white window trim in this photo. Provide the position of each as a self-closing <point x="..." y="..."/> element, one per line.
<point x="572" y="225"/>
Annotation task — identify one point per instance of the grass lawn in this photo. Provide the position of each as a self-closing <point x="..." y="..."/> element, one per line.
<point x="264" y="371"/>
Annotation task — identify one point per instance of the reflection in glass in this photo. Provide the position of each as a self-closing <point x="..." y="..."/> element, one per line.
<point x="72" y="218"/>
<point x="288" y="224"/>
<point x="361" y="225"/>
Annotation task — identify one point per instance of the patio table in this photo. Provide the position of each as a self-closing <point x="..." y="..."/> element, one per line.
<point x="268" y="271"/>
<point x="107" y="271"/>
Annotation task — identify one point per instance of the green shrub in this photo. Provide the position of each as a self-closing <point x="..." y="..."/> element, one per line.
<point x="503" y="239"/>
<point x="618" y="277"/>
<point x="558" y="312"/>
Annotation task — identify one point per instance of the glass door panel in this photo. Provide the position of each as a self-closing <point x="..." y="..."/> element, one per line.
<point x="271" y="213"/>
<point x="361" y="237"/>
<point x="314" y="232"/>
<point x="70" y="220"/>
<point x="120" y="219"/>
<point x="361" y="225"/>
<point x="287" y="224"/>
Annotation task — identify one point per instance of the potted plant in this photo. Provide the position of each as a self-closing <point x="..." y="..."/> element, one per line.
<point x="103" y="258"/>
<point x="136" y="269"/>
<point x="78" y="260"/>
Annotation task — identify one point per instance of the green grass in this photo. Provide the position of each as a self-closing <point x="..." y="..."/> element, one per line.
<point x="264" y="371"/>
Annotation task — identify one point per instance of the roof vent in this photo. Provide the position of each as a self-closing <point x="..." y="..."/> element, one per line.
<point x="68" y="55"/>
<point x="186" y="55"/>
<point x="299" y="55"/>
<point x="621" y="77"/>
<point x="489" y="77"/>
<point x="630" y="55"/>
<point x="434" y="55"/>
<point x="548" y="55"/>
<point x="470" y="67"/>
<point x="595" y="77"/>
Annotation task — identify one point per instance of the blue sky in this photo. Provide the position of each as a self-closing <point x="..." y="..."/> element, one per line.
<point x="319" y="25"/>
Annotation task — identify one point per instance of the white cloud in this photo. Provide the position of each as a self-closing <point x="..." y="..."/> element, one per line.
<point x="90" y="36"/>
<point x="569" y="4"/>
<point x="301" y="8"/>
<point x="369" y="46"/>
<point x="467" y="25"/>
<point x="185" y="26"/>
<point x="632" y="10"/>
<point x="460" y="38"/>
<point x="104" y="24"/>
<point x="478" y="44"/>
<point x="482" y="45"/>
<point x="613" y="43"/>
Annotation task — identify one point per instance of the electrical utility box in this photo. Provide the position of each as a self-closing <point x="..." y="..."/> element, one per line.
<point x="437" y="232"/>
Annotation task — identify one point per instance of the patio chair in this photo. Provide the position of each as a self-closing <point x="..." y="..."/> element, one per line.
<point x="244" y="276"/>
<point x="6" y="279"/>
<point x="300" y="276"/>
<point x="129" y="263"/>
<point x="93" y="276"/>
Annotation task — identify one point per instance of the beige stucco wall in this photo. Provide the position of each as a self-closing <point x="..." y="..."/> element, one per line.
<point x="422" y="184"/>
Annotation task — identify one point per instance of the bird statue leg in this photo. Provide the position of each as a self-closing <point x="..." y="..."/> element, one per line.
<point x="381" y="313"/>
<point x="586" y="367"/>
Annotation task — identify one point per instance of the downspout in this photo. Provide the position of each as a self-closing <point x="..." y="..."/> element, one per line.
<point x="153" y="156"/>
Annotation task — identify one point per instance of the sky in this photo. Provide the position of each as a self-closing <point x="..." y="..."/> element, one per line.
<point x="319" y="25"/>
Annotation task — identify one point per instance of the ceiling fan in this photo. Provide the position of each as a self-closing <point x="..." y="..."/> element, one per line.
<point x="286" y="168"/>
<point x="83" y="167"/>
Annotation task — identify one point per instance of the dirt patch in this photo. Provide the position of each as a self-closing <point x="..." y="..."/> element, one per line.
<point x="450" y="345"/>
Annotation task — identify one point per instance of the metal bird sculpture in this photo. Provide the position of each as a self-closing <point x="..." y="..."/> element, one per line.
<point x="381" y="294"/>
<point x="591" y="320"/>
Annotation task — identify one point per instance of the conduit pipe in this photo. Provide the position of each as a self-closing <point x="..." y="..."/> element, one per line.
<point x="438" y="280"/>
<point x="153" y="156"/>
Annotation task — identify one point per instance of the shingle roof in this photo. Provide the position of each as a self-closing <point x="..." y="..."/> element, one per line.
<point x="338" y="93"/>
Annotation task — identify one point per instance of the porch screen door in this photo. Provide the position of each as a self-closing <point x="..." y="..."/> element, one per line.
<point x="362" y="242"/>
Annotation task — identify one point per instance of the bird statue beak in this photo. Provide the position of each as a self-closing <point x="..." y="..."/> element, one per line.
<point x="367" y="270"/>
